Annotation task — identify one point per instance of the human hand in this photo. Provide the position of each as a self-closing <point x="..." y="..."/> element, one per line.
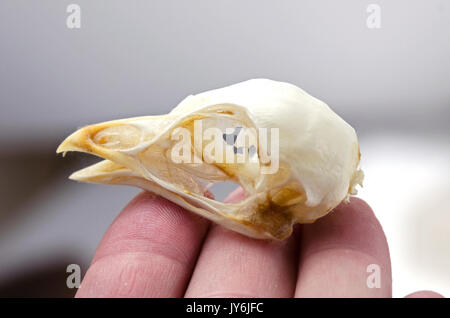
<point x="155" y="248"/>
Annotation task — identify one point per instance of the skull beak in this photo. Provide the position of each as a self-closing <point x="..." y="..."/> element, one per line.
<point x="117" y="140"/>
<point x="104" y="172"/>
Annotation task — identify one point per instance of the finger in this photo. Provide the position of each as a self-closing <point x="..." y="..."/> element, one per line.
<point x="424" y="294"/>
<point x="345" y="254"/>
<point x="148" y="251"/>
<point x="232" y="265"/>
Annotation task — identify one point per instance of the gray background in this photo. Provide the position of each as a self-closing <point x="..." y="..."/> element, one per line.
<point x="133" y="58"/>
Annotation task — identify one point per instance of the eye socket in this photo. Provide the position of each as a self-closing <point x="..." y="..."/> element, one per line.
<point x="230" y="139"/>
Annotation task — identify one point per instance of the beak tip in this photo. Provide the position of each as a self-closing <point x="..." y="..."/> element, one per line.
<point x="60" y="149"/>
<point x="71" y="143"/>
<point x="73" y="176"/>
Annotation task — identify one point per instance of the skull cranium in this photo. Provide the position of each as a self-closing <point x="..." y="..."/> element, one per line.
<point x="316" y="155"/>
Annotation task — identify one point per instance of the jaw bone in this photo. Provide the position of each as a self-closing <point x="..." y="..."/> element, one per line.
<point x="108" y="172"/>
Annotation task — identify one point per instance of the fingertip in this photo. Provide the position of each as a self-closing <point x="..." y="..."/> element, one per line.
<point x="424" y="294"/>
<point x="354" y="208"/>
<point x="235" y="196"/>
<point x="341" y="247"/>
<point x="351" y="224"/>
<point x="149" y="250"/>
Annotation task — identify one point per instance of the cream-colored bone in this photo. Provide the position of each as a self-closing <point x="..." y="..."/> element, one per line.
<point x="318" y="157"/>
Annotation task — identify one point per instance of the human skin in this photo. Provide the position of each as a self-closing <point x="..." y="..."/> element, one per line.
<point x="155" y="248"/>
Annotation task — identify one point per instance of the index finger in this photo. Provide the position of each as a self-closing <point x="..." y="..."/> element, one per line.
<point x="148" y="251"/>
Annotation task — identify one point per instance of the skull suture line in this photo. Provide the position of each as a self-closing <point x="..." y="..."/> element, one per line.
<point x="317" y="160"/>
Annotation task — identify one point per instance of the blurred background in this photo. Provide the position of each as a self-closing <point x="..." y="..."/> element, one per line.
<point x="133" y="58"/>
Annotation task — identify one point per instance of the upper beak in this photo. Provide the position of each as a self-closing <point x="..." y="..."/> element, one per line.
<point x="115" y="140"/>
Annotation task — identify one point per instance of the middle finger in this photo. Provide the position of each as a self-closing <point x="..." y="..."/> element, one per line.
<point x="232" y="265"/>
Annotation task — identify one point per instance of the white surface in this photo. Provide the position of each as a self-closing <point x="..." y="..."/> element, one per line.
<point x="407" y="185"/>
<point x="142" y="57"/>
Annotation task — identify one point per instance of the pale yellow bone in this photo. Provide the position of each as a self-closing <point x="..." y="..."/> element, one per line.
<point x="318" y="157"/>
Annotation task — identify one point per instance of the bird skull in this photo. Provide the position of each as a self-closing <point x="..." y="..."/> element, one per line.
<point x="294" y="157"/>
